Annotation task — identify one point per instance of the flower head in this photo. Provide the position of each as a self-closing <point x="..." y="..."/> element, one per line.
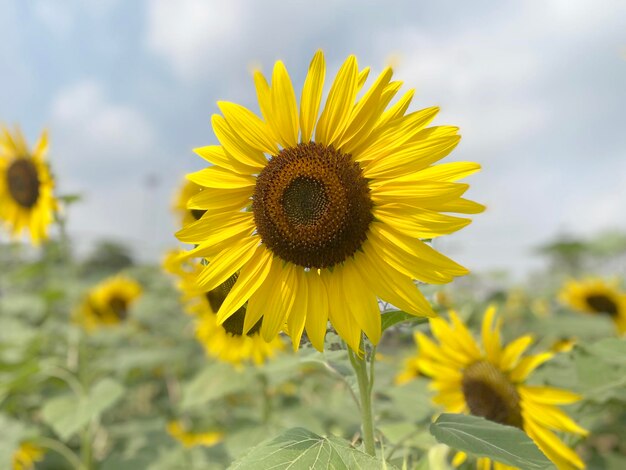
<point x="26" y="455"/>
<point x="26" y="199"/>
<point x="108" y="303"/>
<point x="319" y="217"/>
<point x="189" y="439"/>
<point x="597" y="297"/>
<point x="489" y="380"/>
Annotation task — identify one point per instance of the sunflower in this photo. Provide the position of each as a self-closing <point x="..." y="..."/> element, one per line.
<point x="187" y="215"/>
<point x="189" y="439"/>
<point x="322" y="216"/>
<point x="226" y="341"/>
<point x="26" y="455"/>
<point x="108" y="303"/>
<point x="26" y="199"/>
<point x="490" y="381"/>
<point x="597" y="297"/>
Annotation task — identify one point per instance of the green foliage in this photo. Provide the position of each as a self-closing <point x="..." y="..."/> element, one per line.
<point x="299" y="448"/>
<point x="484" y="438"/>
<point x="67" y="414"/>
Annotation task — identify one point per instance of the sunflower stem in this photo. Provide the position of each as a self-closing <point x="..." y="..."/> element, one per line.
<point x="359" y="364"/>
<point x="60" y="449"/>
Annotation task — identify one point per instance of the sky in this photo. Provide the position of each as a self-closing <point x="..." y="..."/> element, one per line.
<point x="127" y="90"/>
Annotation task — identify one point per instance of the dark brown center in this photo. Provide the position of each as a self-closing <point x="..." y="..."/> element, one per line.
<point x="119" y="307"/>
<point x="602" y="304"/>
<point x="23" y="182"/>
<point x="312" y="205"/>
<point x="234" y="323"/>
<point x="488" y="393"/>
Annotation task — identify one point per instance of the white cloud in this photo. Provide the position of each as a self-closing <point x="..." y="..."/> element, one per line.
<point x="189" y="34"/>
<point x="95" y="134"/>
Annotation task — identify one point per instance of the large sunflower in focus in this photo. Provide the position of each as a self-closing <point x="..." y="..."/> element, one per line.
<point x="108" y="303"/>
<point x="226" y="341"/>
<point x="490" y="381"/>
<point x="321" y="216"/>
<point x="26" y="199"/>
<point x="597" y="297"/>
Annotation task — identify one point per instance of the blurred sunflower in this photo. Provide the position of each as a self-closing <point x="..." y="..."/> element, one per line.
<point x="108" y="303"/>
<point x="320" y="216"/>
<point x="597" y="297"/>
<point x="177" y="430"/>
<point x="26" y="199"/>
<point x="490" y="381"/>
<point x="226" y="341"/>
<point x="187" y="215"/>
<point x="26" y="455"/>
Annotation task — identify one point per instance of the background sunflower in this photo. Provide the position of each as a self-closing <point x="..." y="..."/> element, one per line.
<point x="26" y="186"/>
<point x="490" y="380"/>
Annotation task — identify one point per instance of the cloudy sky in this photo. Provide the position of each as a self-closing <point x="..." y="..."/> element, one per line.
<point x="127" y="89"/>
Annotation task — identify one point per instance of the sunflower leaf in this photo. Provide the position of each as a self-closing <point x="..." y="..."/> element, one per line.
<point x="67" y="414"/>
<point x="300" y="448"/>
<point x="394" y="317"/>
<point x="484" y="438"/>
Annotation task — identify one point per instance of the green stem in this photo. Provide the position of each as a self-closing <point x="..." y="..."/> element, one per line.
<point x="267" y="399"/>
<point x="359" y="364"/>
<point x="85" y="447"/>
<point x="60" y="449"/>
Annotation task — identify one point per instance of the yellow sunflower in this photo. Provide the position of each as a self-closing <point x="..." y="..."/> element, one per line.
<point x="189" y="439"/>
<point x="490" y="381"/>
<point x="226" y="341"/>
<point x="322" y="216"/>
<point x="598" y="297"/>
<point x="108" y="303"/>
<point x="26" y="199"/>
<point x="26" y="455"/>
<point x="187" y="215"/>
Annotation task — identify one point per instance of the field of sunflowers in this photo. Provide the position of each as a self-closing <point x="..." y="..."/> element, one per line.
<point x="307" y="319"/>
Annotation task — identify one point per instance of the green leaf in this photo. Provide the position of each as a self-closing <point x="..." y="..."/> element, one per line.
<point x="394" y="317"/>
<point x="67" y="414"/>
<point x="484" y="438"/>
<point x="300" y="448"/>
<point x="213" y="382"/>
<point x="610" y="350"/>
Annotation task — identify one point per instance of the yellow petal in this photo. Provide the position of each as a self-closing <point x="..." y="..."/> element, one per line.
<point x="284" y="107"/>
<point x="235" y="145"/>
<point x="312" y="96"/>
<point x="249" y="127"/>
<point x="420" y="192"/>
<point x="216" y="155"/>
<point x="220" y="178"/>
<point x="397" y="110"/>
<point x="338" y="104"/>
<point x="211" y="225"/>
<point x="364" y="306"/>
<point x="561" y="455"/>
<point x="449" y="171"/>
<point x="548" y="395"/>
<point x="227" y="263"/>
<point x="551" y="417"/>
<point x="527" y="365"/>
<point x="280" y="303"/>
<point x="513" y="351"/>
<point x="317" y="310"/>
<point x="491" y="337"/>
<point x="297" y="318"/>
<point x="419" y="223"/>
<point x="251" y="276"/>
<point x="410" y="161"/>
<point x="220" y="200"/>
<point x="340" y="315"/>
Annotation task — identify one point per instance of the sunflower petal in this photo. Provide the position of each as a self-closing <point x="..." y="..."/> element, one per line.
<point x="317" y="311"/>
<point x="312" y="96"/>
<point x="227" y="263"/>
<point x="284" y="106"/>
<point x="249" y="127"/>
<point x="220" y="178"/>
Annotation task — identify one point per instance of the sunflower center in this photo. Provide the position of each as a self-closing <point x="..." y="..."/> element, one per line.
<point x="119" y="306"/>
<point x="234" y="323"/>
<point x="602" y="304"/>
<point x="488" y="393"/>
<point x="311" y="205"/>
<point x="197" y="213"/>
<point x="23" y="182"/>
